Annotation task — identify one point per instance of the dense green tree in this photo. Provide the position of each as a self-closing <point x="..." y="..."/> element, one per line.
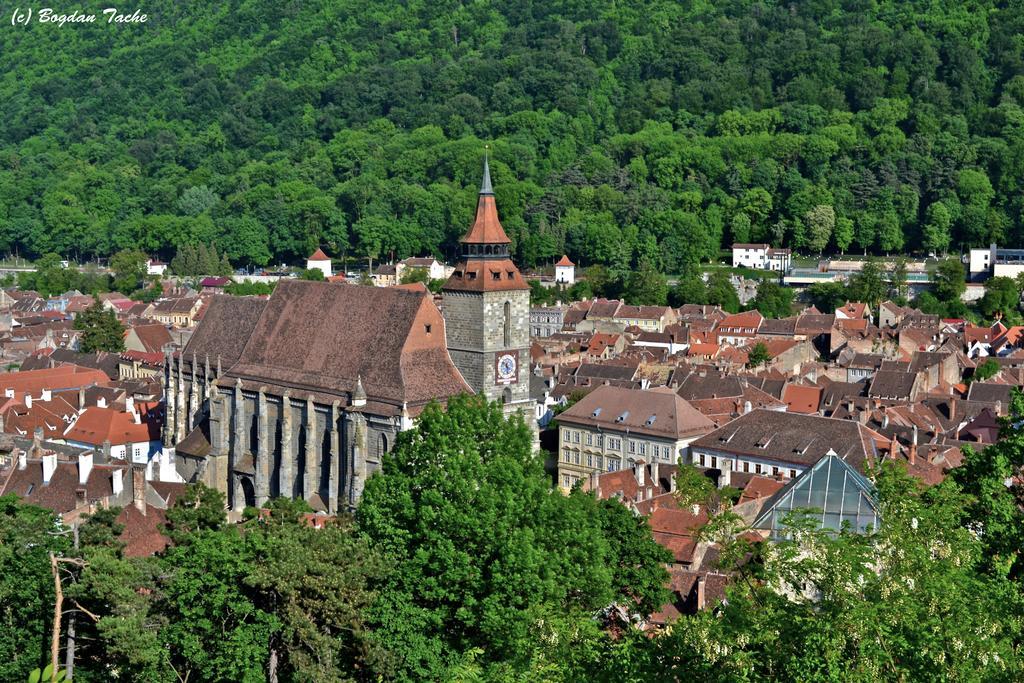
<point x="28" y="534"/>
<point x="720" y="292"/>
<point x="897" y="604"/>
<point x="129" y="267"/>
<point x="645" y="286"/>
<point x="758" y="355"/>
<point x="773" y="300"/>
<point x="1001" y="298"/>
<point x="827" y="296"/>
<point x="949" y="281"/>
<point x="101" y="330"/>
<point x="869" y="284"/>
<point x="486" y="554"/>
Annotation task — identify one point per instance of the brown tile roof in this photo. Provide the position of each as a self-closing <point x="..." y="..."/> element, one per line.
<point x="343" y="336"/>
<point x="485" y="275"/>
<point x="486" y="228"/>
<point x="153" y="337"/>
<point x="791" y="438"/>
<point x="227" y="325"/>
<point x="658" y="412"/>
<point x="61" y="493"/>
<point x="892" y="384"/>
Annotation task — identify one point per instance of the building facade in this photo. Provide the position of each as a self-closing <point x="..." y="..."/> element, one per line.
<point x="614" y="427"/>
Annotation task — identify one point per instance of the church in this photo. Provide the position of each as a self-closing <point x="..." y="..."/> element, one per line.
<point x="301" y="394"/>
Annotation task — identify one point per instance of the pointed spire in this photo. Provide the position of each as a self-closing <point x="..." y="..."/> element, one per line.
<point x="485" y="185"/>
<point x="359" y="395"/>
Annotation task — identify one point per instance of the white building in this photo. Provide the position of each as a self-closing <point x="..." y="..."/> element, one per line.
<point x="995" y="262"/>
<point x="155" y="267"/>
<point x="565" y="271"/>
<point x="320" y="261"/>
<point x="761" y="257"/>
<point x="435" y="269"/>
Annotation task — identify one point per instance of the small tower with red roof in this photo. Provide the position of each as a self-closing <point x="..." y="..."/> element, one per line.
<point x="565" y="271"/>
<point x="320" y="261"/>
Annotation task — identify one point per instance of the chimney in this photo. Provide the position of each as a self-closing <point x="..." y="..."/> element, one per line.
<point x="37" y="441"/>
<point x="105" y="449"/>
<point x="49" y="466"/>
<point x="28" y="401"/>
<point x="999" y="408"/>
<point x="80" y="498"/>
<point x="747" y="407"/>
<point x="129" y="404"/>
<point x="81" y="398"/>
<point x="595" y="484"/>
<point x="725" y="477"/>
<point x="655" y="471"/>
<point x="8" y="393"/>
<point x="84" y="467"/>
<point x="46" y="395"/>
<point x="640" y="470"/>
<point x="894" y="447"/>
<point x="701" y="592"/>
<point x="117" y="482"/>
<point x="101" y="402"/>
<point x="912" y="455"/>
<point x="952" y="409"/>
<point x="139" y="489"/>
<point x="22" y="460"/>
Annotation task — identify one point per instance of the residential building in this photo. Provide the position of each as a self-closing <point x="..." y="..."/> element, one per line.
<point x="176" y="312"/>
<point x="546" y="320"/>
<point x="783" y="444"/>
<point x="613" y="427"/>
<point x="761" y="257"/>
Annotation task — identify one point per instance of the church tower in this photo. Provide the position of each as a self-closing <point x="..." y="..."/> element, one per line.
<point x="487" y="311"/>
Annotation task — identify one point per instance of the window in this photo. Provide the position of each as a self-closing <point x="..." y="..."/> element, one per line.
<point x="703" y="462"/>
<point x="576" y="458"/>
<point x="643" y="448"/>
<point x="632" y="446"/>
<point x="590" y="439"/>
<point x="746" y="466"/>
<point x="382" y="444"/>
<point x="426" y="328"/>
<point x="598" y="461"/>
<point x="566" y="481"/>
<point x="757" y="468"/>
<point x="714" y="462"/>
<point x="508" y="324"/>
<point x="600" y="439"/>
<point x="575" y="437"/>
<point x="590" y="460"/>
<point x="613" y="464"/>
<point x="565" y="454"/>
<point x="792" y="474"/>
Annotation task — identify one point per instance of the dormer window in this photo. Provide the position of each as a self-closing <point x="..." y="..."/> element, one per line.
<point x="496" y="274"/>
<point x="426" y="328"/>
<point x="471" y="274"/>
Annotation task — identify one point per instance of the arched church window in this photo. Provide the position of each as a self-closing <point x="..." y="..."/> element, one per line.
<point x="506" y="395"/>
<point x="382" y="444"/>
<point x="508" y="324"/>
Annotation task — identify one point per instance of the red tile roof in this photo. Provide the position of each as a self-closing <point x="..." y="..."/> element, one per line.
<point x="319" y="255"/>
<point x="801" y="399"/>
<point x="96" y="425"/>
<point x="564" y="261"/>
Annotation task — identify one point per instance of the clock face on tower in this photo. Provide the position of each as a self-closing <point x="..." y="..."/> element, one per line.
<point x="506" y="367"/>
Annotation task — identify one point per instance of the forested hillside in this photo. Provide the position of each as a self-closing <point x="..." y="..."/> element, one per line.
<point x="620" y="131"/>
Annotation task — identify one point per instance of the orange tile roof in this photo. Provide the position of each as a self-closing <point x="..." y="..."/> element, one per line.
<point x="319" y="255"/>
<point x="564" y="261"/>
<point x="801" y="399"/>
<point x="486" y="229"/>
<point x="54" y="379"/>
<point x="96" y="425"/>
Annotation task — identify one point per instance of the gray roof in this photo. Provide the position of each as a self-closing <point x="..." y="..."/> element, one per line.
<point x="791" y="438"/>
